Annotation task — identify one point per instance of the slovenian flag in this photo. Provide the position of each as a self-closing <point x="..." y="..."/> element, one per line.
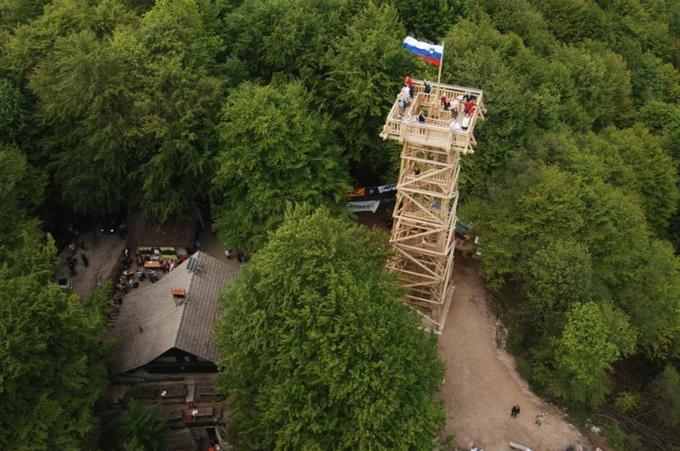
<point x="429" y="52"/>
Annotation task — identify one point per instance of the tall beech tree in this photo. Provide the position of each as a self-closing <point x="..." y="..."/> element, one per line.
<point x="319" y="352"/>
<point x="274" y="148"/>
<point x="595" y="336"/>
<point x="52" y="360"/>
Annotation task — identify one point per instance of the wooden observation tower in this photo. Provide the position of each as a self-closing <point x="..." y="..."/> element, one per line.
<point x="423" y="231"/>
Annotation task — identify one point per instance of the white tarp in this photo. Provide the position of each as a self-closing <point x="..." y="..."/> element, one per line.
<point x="363" y="205"/>
<point x="386" y="188"/>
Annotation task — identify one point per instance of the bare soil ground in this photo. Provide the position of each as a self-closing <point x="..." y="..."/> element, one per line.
<point x="482" y="383"/>
<point x="102" y="251"/>
<point x="212" y="246"/>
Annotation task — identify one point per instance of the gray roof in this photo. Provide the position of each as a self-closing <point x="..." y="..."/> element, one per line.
<point x="150" y="323"/>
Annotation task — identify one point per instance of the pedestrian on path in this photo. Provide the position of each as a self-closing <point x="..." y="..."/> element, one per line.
<point x="515" y="411"/>
<point x="539" y="418"/>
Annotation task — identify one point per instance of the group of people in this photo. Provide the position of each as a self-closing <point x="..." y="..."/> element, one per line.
<point x="166" y="264"/>
<point x="540" y="417"/>
<point x="131" y="279"/>
<point x="462" y="108"/>
<point x="406" y="94"/>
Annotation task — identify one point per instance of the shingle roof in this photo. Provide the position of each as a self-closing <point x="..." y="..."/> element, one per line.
<point x="150" y="323"/>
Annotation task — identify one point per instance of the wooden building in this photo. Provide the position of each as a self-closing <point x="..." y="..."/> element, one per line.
<point x="167" y="327"/>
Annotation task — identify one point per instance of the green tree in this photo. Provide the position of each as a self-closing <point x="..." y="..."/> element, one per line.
<point x="14" y="12"/>
<point x="12" y="110"/>
<point x="556" y="276"/>
<point x="52" y="360"/>
<point x="126" y="104"/>
<point x="274" y="149"/>
<point x="318" y="350"/>
<point x="528" y="209"/>
<point x="366" y="69"/>
<point x="88" y="82"/>
<point x="664" y="396"/>
<point x="180" y="94"/>
<point x="519" y="16"/>
<point x="602" y="82"/>
<point x="483" y="58"/>
<point x="564" y="16"/>
<point x="31" y="42"/>
<point x="427" y="19"/>
<point x="636" y="162"/>
<point x="652" y="300"/>
<point x="21" y="191"/>
<point x="141" y="428"/>
<point x="595" y="336"/>
<point x="287" y="36"/>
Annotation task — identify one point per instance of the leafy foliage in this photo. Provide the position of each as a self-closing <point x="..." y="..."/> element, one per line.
<point x="361" y="83"/>
<point x="557" y="276"/>
<point x="52" y="360"/>
<point x="12" y="105"/>
<point x="595" y="336"/>
<point x="665" y="397"/>
<point x="141" y="428"/>
<point x="275" y="149"/>
<point x="21" y="189"/>
<point x="318" y="350"/>
<point x="120" y="95"/>
<point x="249" y="104"/>
<point x="526" y="211"/>
<point x="180" y="94"/>
<point x="427" y="19"/>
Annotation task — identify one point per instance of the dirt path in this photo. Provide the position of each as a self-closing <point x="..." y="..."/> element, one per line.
<point x="482" y="383"/>
<point x="214" y="247"/>
<point x="102" y="251"/>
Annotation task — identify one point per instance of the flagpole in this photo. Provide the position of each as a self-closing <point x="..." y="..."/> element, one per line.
<point x="441" y="63"/>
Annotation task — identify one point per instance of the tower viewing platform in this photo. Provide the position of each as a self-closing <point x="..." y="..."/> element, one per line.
<point x="446" y="128"/>
<point x="435" y="124"/>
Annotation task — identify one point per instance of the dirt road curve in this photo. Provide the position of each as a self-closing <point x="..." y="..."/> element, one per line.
<point x="482" y="384"/>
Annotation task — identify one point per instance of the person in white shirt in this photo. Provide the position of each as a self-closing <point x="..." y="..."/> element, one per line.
<point x="455" y="126"/>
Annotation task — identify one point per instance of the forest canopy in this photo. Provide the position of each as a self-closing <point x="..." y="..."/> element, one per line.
<point x="241" y="107"/>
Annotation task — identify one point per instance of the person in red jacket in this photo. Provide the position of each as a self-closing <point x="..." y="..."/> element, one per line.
<point x="469" y="107"/>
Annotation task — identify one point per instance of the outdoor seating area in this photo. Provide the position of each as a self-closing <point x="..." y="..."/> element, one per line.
<point x="149" y="265"/>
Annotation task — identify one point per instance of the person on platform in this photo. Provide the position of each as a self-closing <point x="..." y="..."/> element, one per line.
<point x="469" y="107"/>
<point x="408" y="82"/>
<point x="444" y="103"/>
<point x="455" y="126"/>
